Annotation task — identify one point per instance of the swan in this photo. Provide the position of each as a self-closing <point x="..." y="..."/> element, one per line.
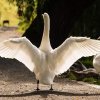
<point x="96" y="62"/>
<point x="45" y="61"/>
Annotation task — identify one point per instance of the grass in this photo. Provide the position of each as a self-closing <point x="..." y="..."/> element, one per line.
<point x="87" y="61"/>
<point x="91" y="80"/>
<point x="8" y="11"/>
<point x="71" y="76"/>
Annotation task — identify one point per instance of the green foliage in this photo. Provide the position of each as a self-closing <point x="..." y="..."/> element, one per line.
<point x="26" y="11"/>
<point x="90" y="80"/>
<point x="88" y="62"/>
<point x="97" y="82"/>
<point x="71" y="76"/>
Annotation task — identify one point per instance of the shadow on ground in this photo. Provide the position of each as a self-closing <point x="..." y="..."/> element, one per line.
<point x="13" y="70"/>
<point x="45" y="93"/>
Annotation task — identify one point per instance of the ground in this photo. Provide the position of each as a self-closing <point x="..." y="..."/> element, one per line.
<point x="18" y="83"/>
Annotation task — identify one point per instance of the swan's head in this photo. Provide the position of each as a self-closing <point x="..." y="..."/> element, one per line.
<point x="45" y="15"/>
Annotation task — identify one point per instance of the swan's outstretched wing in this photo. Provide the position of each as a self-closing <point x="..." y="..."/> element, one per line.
<point x="71" y="50"/>
<point x="20" y="49"/>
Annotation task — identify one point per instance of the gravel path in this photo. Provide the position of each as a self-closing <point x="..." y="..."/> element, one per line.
<point x="18" y="83"/>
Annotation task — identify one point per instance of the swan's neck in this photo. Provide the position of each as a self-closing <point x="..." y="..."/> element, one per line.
<point x="45" y="43"/>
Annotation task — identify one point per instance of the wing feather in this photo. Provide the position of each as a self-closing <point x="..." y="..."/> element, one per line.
<point x="20" y="49"/>
<point x="73" y="49"/>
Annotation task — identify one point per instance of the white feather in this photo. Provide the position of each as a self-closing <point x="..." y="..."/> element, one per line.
<point x="44" y="61"/>
<point x="96" y="62"/>
<point x="73" y="49"/>
<point x="20" y="49"/>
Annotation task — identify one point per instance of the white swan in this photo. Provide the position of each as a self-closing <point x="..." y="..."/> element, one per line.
<point x="96" y="62"/>
<point x="44" y="61"/>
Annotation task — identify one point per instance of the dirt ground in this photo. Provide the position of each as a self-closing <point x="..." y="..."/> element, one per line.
<point x="18" y="83"/>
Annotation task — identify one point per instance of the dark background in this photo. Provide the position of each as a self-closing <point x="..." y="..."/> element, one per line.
<point x="63" y="16"/>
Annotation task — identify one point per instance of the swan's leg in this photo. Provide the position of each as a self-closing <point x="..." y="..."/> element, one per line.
<point x="37" y="85"/>
<point x="51" y="88"/>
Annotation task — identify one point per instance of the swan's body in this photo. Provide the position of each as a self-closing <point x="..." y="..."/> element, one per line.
<point x="44" y="61"/>
<point x="96" y="62"/>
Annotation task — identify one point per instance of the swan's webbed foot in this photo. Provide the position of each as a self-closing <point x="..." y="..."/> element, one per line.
<point x="51" y="89"/>
<point x="37" y="89"/>
<point x="37" y="85"/>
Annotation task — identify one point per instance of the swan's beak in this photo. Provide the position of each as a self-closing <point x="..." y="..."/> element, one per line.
<point x="45" y="14"/>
